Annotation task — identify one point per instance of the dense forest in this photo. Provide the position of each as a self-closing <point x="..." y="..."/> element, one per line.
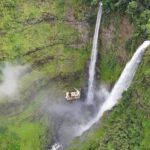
<point x="53" y="40"/>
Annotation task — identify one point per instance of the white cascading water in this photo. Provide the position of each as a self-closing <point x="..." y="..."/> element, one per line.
<point x="111" y="99"/>
<point x="90" y="94"/>
<point x="121" y="85"/>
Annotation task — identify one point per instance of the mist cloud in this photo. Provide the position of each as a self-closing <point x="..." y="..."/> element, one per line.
<point x="11" y="74"/>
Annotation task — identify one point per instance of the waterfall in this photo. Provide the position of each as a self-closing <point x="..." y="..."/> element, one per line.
<point x="121" y="85"/>
<point x="90" y="94"/>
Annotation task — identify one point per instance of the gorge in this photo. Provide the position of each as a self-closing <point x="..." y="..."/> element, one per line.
<point x="50" y="47"/>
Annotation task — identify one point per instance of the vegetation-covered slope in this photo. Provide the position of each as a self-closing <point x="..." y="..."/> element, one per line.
<point x="54" y="37"/>
<point x="45" y="34"/>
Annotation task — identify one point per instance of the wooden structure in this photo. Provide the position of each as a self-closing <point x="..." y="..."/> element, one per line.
<point x="73" y="95"/>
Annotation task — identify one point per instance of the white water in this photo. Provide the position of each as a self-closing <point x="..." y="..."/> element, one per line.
<point x="90" y="94"/>
<point x="121" y="85"/>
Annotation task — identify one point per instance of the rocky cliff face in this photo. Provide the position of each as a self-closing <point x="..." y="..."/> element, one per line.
<point x="115" y="32"/>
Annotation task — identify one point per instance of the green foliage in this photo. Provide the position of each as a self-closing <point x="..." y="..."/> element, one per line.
<point x="110" y="67"/>
<point x="133" y="9"/>
<point x="24" y="130"/>
<point x="39" y="33"/>
<point x="138" y="12"/>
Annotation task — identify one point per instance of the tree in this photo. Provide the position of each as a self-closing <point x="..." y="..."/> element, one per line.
<point x="132" y="9"/>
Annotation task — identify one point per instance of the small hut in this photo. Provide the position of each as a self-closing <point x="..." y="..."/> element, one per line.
<point x="56" y="146"/>
<point x="73" y="95"/>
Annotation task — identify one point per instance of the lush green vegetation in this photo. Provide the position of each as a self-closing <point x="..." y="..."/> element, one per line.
<point x="22" y="131"/>
<point x="138" y="13"/>
<point x="32" y="31"/>
<point x="54" y="38"/>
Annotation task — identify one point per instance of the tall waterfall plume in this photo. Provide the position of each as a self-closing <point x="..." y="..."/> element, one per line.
<point x="121" y="85"/>
<point x="90" y="94"/>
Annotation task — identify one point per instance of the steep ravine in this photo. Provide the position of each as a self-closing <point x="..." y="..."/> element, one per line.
<point x="54" y="37"/>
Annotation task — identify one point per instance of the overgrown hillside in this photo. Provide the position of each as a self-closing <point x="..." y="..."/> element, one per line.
<point x="54" y="38"/>
<point x="46" y="34"/>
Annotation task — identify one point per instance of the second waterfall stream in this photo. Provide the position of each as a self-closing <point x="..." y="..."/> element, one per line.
<point x="121" y="85"/>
